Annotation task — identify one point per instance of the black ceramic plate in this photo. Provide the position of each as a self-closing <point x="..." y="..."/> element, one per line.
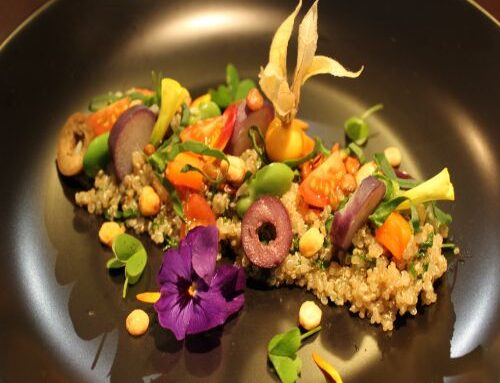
<point x="434" y="65"/>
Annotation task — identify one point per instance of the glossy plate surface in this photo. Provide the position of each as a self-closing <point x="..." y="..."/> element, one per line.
<point x="434" y="65"/>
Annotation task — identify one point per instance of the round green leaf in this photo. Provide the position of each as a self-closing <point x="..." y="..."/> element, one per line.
<point x="125" y="245"/>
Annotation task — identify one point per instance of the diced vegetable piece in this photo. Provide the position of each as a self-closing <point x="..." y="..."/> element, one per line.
<point x="436" y="188"/>
<point x="394" y="234"/>
<point x="97" y="155"/>
<point x="330" y="373"/>
<point x="355" y="213"/>
<point x="214" y="132"/>
<point x="319" y="187"/>
<point x="266" y="232"/>
<point x="197" y="212"/>
<point x="103" y="120"/>
<point x="191" y="179"/>
<point x="148" y="297"/>
<point x="245" y="118"/>
<point x="130" y="133"/>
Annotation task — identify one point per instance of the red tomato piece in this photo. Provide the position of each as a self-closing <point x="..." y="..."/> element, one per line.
<point x="320" y="187"/>
<point x="214" y="132"/>
<point x="197" y="212"/>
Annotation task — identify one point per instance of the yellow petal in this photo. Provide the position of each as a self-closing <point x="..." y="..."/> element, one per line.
<point x="327" y="65"/>
<point x="307" y="43"/>
<point x="279" y="45"/>
<point x="149" y="297"/>
<point x="330" y="373"/>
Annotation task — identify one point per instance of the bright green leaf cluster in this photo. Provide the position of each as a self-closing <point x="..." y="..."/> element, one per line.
<point x="282" y="352"/>
<point x="131" y="254"/>
<point x="234" y="89"/>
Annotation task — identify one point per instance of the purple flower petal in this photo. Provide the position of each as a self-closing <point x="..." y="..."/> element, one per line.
<point x="208" y="312"/>
<point x="204" y="245"/>
<point x="175" y="312"/>
<point x="176" y="265"/>
<point x="230" y="281"/>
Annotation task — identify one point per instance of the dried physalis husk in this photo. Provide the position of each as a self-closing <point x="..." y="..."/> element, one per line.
<point x="273" y="78"/>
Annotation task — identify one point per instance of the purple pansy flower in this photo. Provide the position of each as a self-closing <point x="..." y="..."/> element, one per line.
<point x="196" y="297"/>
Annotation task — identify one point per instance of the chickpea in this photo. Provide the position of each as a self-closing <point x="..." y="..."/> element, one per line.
<point x="149" y="149"/>
<point x="393" y="156"/>
<point x="137" y="322"/>
<point x="255" y="101"/>
<point x="149" y="201"/>
<point x="108" y="232"/>
<point x="311" y="242"/>
<point x="236" y="171"/>
<point x="309" y="315"/>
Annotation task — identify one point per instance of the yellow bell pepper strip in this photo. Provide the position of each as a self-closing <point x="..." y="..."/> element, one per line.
<point x="201" y="99"/>
<point x="172" y="96"/>
<point x="287" y="141"/>
<point x="394" y="235"/>
<point x="148" y="297"/>
<point x="330" y="373"/>
<point x="436" y="188"/>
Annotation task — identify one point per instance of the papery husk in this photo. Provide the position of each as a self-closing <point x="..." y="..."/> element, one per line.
<point x="273" y="78"/>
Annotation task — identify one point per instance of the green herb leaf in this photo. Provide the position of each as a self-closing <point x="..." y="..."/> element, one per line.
<point x="125" y="245"/>
<point x="328" y="223"/>
<point x="222" y="96"/>
<point x="243" y="89"/>
<point x="407" y="183"/>
<point x="414" y="220"/>
<point x="186" y="113"/>
<point x="232" y="78"/>
<point x="214" y="181"/>
<point x="103" y="100"/>
<point x="442" y="217"/>
<point x="383" y="210"/>
<point x="357" y="151"/>
<point x="253" y="133"/>
<point x="317" y="148"/>
<point x="384" y="166"/>
<point x="195" y="147"/>
<point x="174" y="198"/>
<point x="135" y="266"/>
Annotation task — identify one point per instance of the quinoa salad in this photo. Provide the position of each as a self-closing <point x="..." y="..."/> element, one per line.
<point x="232" y="186"/>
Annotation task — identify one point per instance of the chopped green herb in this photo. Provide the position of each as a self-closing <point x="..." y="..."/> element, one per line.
<point x="442" y="217"/>
<point x="357" y="151"/>
<point x="256" y="135"/>
<point x="282" y="352"/>
<point x="448" y="246"/>
<point x="422" y="250"/>
<point x="383" y="210"/>
<point x="414" y="220"/>
<point x="411" y="270"/>
<point x="322" y="264"/>
<point x="295" y="244"/>
<point x="384" y="166"/>
<point x="317" y="149"/>
<point x="328" y="223"/>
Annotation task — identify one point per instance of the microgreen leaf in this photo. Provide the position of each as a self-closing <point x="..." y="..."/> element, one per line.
<point x="232" y="79"/>
<point x="357" y="130"/>
<point x="221" y="96"/>
<point x="253" y="133"/>
<point x="234" y="89"/>
<point x="114" y="263"/>
<point x="129" y="252"/>
<point x="383" y="210"/>
<point x="288" y="369"/>
<point x="282" y="352"/>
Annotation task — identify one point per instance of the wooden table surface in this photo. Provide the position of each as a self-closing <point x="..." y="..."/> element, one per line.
<point x="14" y="12"/>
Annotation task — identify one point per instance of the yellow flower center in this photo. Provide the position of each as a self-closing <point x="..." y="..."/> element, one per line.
<point x="192" y="290"/>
